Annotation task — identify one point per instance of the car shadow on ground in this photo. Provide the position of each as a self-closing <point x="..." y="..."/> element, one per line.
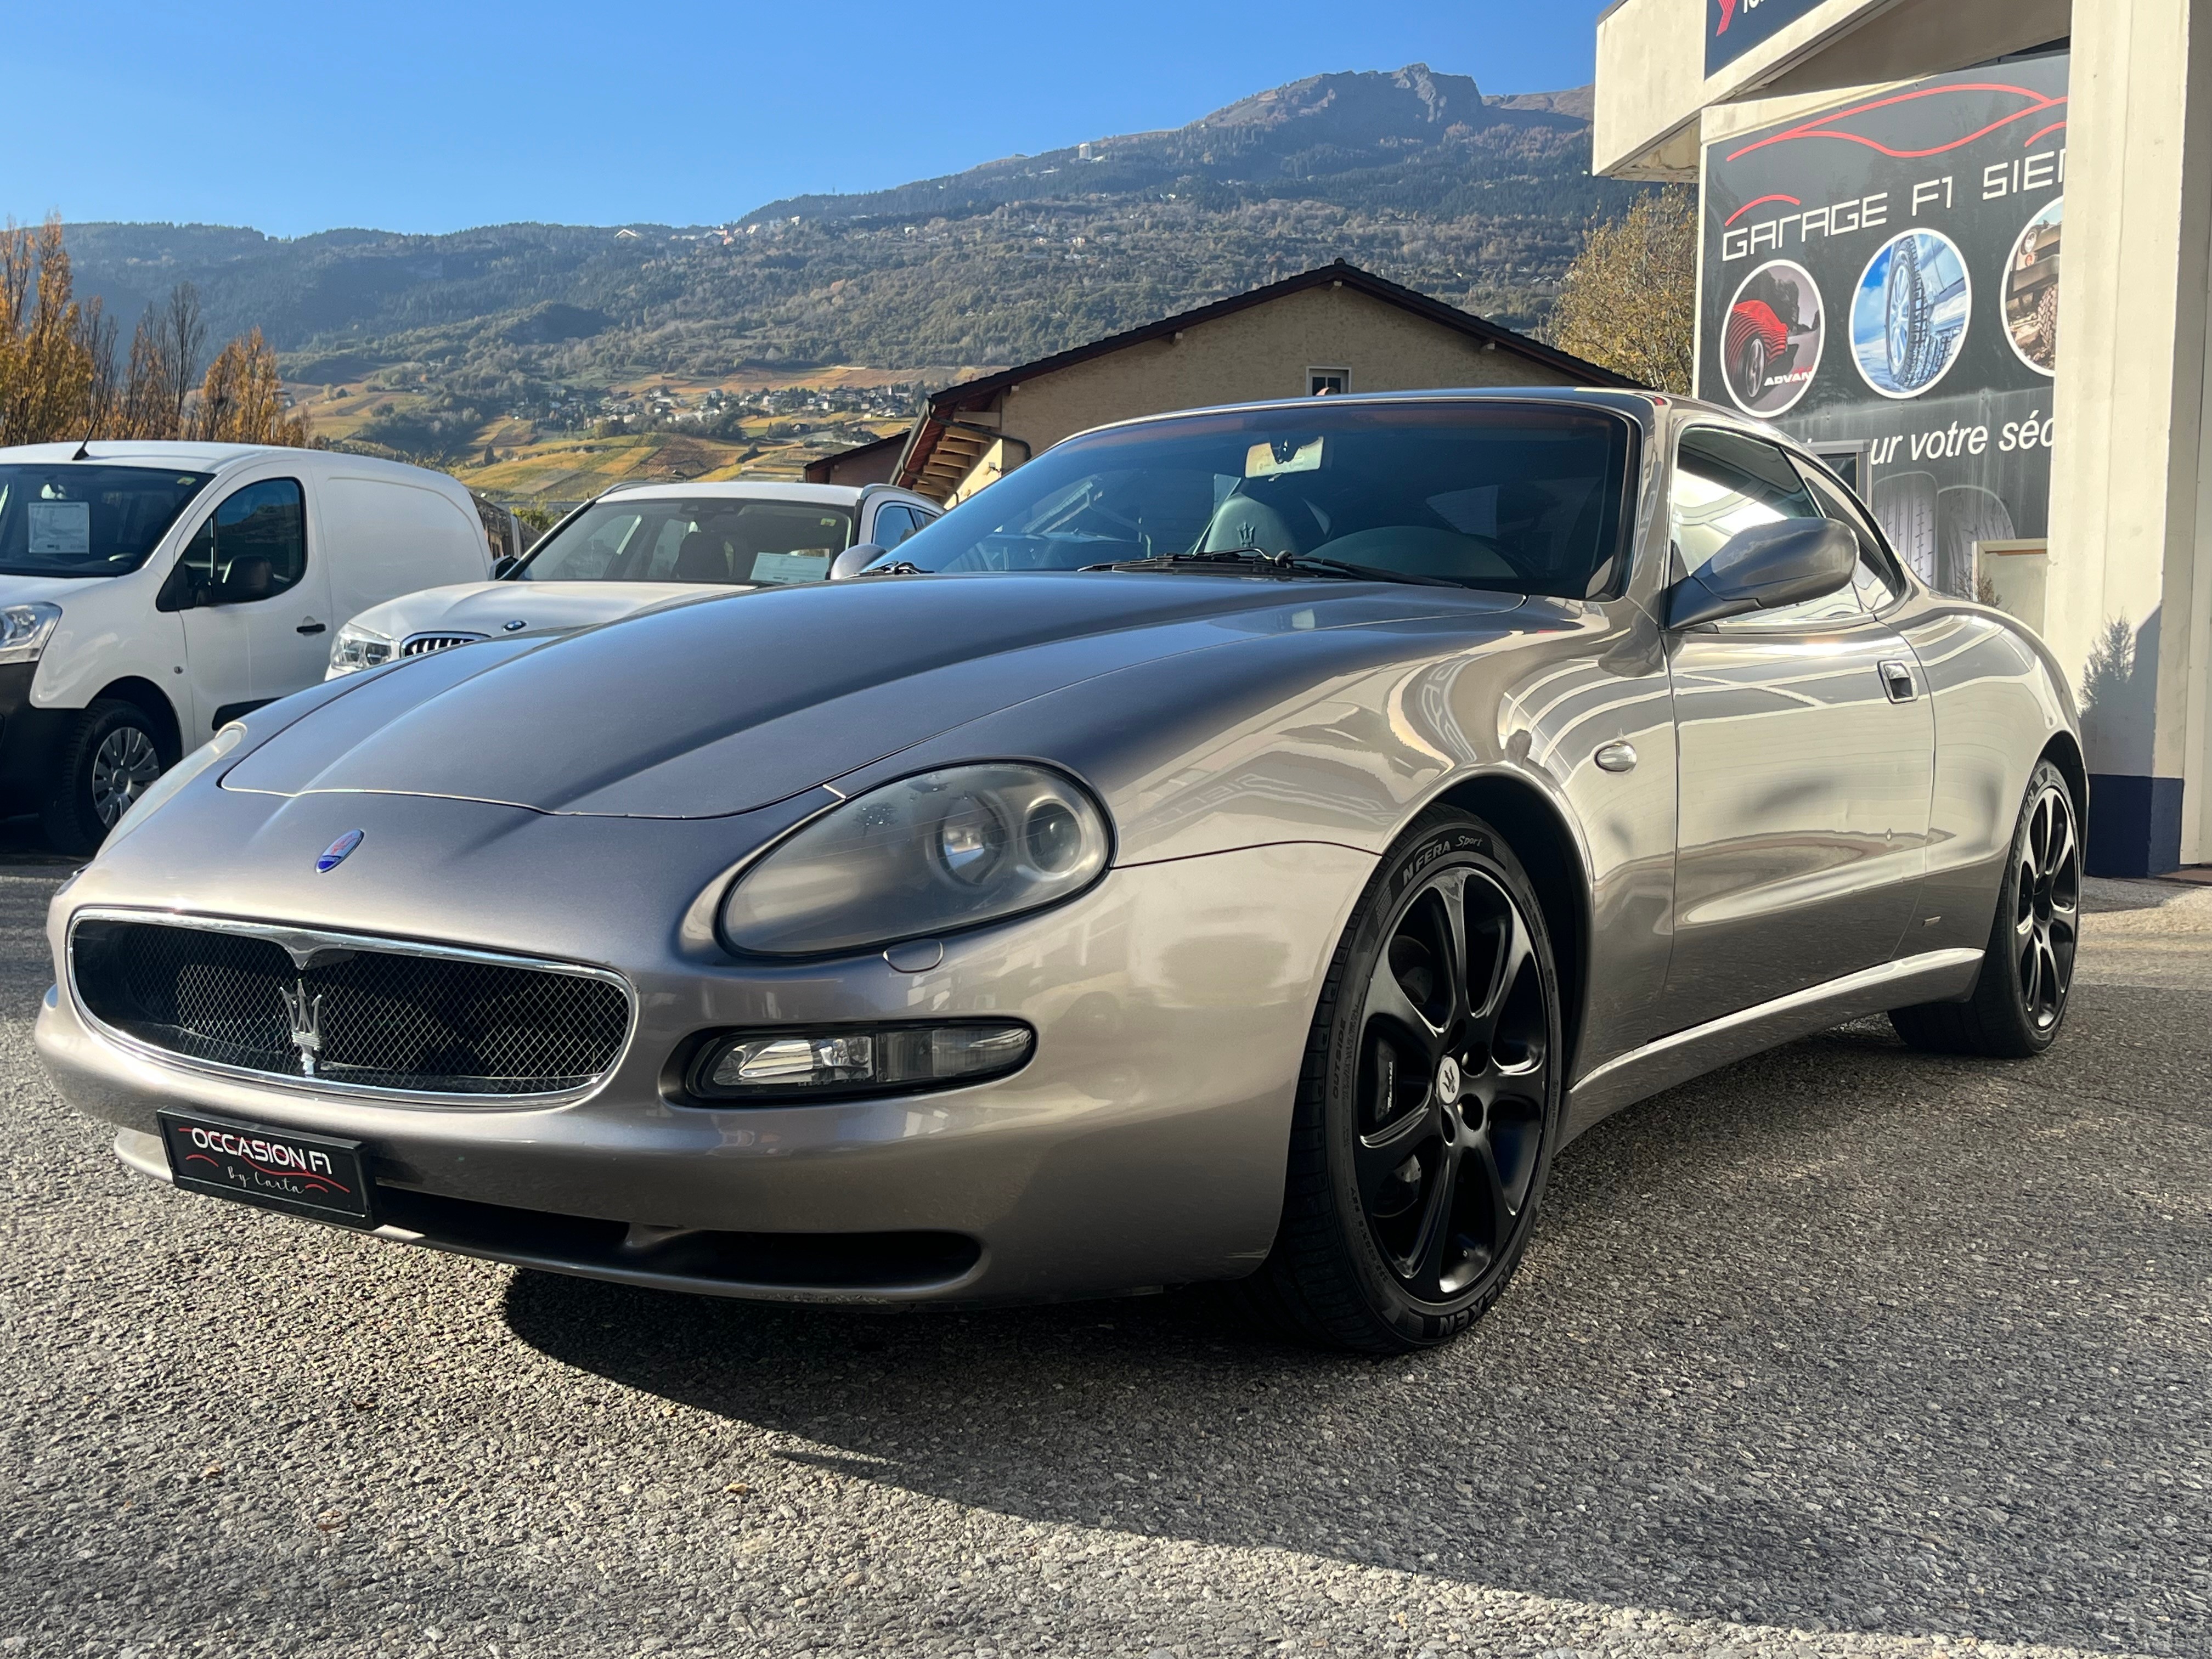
<point x="1843" y="1337"/>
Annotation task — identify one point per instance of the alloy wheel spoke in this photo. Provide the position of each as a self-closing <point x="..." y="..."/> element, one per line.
<point x="1480" y="1172"/>
<point x="1380" y="1161"/>
<point x="1432" y="1245"/>
<point x="1386" y="997"/>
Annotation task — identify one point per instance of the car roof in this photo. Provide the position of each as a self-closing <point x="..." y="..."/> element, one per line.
<point x="1641" y="405"/>
<point x="200" y="457"/>
<point x="747" y="489"/>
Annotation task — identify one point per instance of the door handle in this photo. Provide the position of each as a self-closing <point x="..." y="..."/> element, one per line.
<point x="1897" y="680"/>
<point x="308" y="628"/>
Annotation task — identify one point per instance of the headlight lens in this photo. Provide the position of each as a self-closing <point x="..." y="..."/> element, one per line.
<point x="25" y="630"/>
<point x="170" y="782"/>
<point x="358" y="648"/>
<point x="926" y="854"/>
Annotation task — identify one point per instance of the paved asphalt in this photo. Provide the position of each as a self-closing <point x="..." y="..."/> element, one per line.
<point x="1843" y="1351"/>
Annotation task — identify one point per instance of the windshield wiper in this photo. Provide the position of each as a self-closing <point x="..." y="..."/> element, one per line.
<point x="897" y="568"/>
<point x="1251" y="558"/>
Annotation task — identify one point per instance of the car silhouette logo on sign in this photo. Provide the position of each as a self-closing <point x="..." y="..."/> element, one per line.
<point x="339" y="850"/>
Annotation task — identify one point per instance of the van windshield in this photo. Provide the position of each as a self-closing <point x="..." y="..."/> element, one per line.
<point x="713" y="538"/>
<point x="70" y="518"/>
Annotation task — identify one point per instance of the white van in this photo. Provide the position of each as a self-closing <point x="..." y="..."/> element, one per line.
<point x="151" y="591"/>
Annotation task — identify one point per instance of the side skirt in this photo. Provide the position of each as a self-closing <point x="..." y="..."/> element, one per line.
<point x="1932" y="976"/>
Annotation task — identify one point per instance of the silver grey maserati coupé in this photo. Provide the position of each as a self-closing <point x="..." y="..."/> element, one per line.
<point x="1245" y="844"/>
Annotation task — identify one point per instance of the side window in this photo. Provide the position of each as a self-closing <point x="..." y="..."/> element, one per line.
<point x="1725" y="482"/>
<point x="1877" y="585"/>
<point x="894" y="524"/>
<point x="265" y="520"/>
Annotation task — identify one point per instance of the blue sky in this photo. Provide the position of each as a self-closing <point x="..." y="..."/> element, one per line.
<point x="404" y="115"/>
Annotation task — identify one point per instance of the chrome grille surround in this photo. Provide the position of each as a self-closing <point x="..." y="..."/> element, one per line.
<point x="416" y="645"/>
<point x="304" y="945"/>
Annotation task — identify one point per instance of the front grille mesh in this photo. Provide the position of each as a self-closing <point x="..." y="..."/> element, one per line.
<point x="385" y="1020"/>
<point x="416" y="645"/>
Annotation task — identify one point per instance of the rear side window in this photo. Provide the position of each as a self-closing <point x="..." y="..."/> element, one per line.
<point x="265" y="520"/>
<point x="1877" y="585"/>
<point x="1725" y="482"/>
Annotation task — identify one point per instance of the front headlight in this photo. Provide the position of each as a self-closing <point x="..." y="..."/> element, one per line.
<point x="356" y="646"/>
<point x="25" y="630"/>
<point x="926" y="854"/>
<point x="167" y="785"/>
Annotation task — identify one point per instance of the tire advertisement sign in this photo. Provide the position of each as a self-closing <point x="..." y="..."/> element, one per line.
<point x="1881" y="280"/>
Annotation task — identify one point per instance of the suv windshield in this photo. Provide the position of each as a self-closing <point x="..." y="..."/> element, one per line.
<point x="1522" y="496"/>
<point x="705" y="539"/>
<point x="69" y="518"/>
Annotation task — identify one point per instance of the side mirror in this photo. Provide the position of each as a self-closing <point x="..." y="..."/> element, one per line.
<point x="250" y="577"/>
<point x="1763" y="569"/>
<point x="503" y="566"/>
<point x="853" y="560"/>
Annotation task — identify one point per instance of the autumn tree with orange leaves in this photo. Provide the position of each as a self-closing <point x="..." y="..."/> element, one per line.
<point x="58" y="376"/>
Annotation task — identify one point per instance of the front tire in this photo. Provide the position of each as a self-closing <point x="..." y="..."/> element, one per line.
<point x="2021" y="998"/>
<point x="110" y="757"/>
<point x="1429" y="1105"/>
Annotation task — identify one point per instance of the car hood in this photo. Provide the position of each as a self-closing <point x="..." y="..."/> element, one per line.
<point x="510" y="607"/>
<point x="52" y="590"/>
<point x="740" y="700"/>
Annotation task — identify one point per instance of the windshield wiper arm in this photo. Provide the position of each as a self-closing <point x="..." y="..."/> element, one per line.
<point x="1364" y="572"/>
<point x="1252" y="558"/>
<point x="897" y="568"/>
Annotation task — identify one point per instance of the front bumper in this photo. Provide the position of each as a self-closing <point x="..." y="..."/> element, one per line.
<point x="1143" y="1146"/>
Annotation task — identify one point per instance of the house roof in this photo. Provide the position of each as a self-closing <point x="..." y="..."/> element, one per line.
<point x="943" y="416"/>
<point x="819" y="470"/>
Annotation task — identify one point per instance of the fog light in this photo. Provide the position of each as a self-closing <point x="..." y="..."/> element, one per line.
<point x="879" y="1058"/>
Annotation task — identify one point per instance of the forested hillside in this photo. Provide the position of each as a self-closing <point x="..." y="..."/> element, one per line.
<point x="1481" y="202"/>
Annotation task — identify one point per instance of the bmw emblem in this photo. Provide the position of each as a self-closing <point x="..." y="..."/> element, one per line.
<point x="339" y="850"/>
<point x="514" y="627"/>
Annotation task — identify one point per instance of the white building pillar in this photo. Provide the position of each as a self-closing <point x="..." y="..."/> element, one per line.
<point x="2129" y="597"/>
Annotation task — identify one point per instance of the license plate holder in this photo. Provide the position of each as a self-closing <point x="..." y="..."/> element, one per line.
<point x="319" y="1176"/>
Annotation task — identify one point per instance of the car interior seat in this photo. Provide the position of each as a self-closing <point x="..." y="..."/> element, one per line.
<point x="703" y="557"/>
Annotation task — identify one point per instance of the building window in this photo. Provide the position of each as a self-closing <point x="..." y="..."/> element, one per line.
<point x="1327" y="382"/>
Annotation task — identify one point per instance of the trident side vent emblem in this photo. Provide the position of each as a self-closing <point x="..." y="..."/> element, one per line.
<point x="305" y="1013"/>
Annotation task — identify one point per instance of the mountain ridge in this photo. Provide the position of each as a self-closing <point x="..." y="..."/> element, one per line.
<point x="1415" y="173"/>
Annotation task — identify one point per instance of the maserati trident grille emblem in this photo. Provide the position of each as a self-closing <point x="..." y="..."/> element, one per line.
<point x="337" y="852"/>
<point x="305" y="1013"/>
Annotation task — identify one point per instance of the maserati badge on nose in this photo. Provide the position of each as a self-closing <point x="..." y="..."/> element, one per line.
<point x="339" y="850"/>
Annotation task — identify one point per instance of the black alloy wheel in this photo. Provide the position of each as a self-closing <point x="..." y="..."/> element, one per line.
<point x="2020" y="1000"/>
<point x="1428" y="1110"/>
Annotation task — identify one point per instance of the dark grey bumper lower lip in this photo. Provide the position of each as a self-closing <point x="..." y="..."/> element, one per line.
<point x="859" y="1267"/>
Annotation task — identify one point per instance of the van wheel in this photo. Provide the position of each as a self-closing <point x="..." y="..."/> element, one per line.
<point x="109" y="757"/>
<point x="1430" y="1104"/>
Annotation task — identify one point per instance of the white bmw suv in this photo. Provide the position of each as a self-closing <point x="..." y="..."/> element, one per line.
<point x="637" y="547"/>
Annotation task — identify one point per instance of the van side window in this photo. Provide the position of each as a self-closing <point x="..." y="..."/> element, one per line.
<point x="265" y="520"/>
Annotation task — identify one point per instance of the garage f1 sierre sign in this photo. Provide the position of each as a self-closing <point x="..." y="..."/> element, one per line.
<point x="1881" y="280"/>
<point x="1733" y="28"/>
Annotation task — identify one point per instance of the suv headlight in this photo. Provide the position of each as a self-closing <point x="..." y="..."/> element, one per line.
<point x="927" y="855"/>
<point x="25" y="630"/>
<point x="356" y="646"/>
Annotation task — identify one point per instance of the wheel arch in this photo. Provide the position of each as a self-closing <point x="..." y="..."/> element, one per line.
<point x="1541" y="837"/>
<point x="2064" y="752"/>
<point x="152" y="702"/>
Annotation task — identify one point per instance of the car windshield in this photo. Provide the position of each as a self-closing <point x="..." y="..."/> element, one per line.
<point x="68" y="518"/>
<point x="703" y="538"/>
<point x="1522" y="496"/>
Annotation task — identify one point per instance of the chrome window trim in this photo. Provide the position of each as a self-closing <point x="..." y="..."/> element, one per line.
<point x="301" y="944"/>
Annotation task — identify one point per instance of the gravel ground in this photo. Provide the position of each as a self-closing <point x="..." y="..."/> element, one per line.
<point x="1843" y="1351"/>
